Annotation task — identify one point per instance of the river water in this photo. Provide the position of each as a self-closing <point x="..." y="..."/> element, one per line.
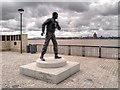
<point x="91" y="42"/>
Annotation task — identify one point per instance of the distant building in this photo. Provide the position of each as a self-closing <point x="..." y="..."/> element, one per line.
<point x="94" y="35"/>
<point x="12" y="42"/>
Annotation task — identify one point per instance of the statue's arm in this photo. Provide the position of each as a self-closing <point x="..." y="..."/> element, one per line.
<point x="44" y="24"/>
<point x="58" y="26"/>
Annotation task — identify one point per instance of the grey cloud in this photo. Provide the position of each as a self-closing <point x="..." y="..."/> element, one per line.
<point x="108" y="9"/>
<point x="10" y="9"/>
<point x="73" y="6"/>
<point x="102" y="11"/>
<point x="38" y="11"/>
<point x="79" y="7"/>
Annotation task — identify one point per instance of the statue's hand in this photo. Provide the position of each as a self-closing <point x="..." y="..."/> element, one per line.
<point x="42" y="34"/>
<point x="58" y="26"/>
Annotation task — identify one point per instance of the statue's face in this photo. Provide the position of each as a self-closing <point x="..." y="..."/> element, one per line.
<point x="55" y="16"/>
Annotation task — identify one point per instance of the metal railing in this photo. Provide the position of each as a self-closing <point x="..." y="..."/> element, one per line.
<point x="83" y="50"/>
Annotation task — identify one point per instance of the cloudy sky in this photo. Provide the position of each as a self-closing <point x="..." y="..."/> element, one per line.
<point x="75" y="18"/>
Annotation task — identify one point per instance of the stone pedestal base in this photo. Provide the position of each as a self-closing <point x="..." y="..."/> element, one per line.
<point x="50" y="74"/>
<point x="51" y="63"/>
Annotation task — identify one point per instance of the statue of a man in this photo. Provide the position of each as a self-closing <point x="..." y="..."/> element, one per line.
<point x="51" y="24"/>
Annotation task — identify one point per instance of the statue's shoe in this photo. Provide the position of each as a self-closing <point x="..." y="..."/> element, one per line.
<point x="42" y="59"/>
<point x="57" y="57"/>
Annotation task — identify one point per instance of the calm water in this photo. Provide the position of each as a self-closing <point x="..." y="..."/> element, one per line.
<point x="91" y="42"/>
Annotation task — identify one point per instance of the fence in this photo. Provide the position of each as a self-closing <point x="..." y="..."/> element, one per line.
<point x="89" y="51"/>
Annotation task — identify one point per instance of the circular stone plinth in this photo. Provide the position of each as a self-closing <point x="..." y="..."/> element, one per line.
<point x="50" y="62"/>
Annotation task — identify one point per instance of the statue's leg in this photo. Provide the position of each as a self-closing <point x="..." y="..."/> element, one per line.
<point x="55" y="46"/>
<point x="46" y="43"/>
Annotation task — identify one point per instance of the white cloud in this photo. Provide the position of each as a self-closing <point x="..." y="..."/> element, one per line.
<point x="75" y="20"/>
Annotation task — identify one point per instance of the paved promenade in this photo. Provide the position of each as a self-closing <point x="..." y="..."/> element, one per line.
<point x="94" y="72"/>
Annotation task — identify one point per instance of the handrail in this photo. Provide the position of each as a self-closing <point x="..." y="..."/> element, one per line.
<point x="100" y="50"/>
<point x="88" y="46"/>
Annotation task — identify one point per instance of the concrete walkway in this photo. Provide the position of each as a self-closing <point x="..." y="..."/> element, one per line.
<point x="94" y="72"/>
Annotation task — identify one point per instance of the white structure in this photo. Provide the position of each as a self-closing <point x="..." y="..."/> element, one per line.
<point x="12" y="42"/>
<point x="52" y="70"/>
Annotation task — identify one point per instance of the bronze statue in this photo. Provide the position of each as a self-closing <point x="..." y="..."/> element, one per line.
<point x="51" y="24"/>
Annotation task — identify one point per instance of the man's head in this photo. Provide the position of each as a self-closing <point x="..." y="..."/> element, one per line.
<point x="55" y="15"/>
